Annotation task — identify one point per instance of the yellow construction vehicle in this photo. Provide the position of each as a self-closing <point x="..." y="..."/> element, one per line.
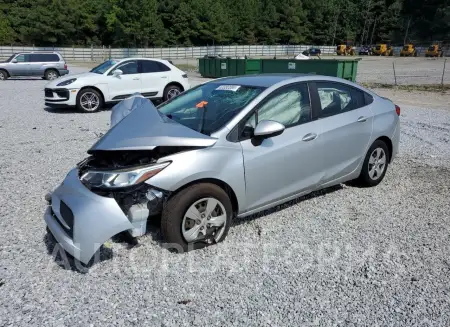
<point x="345" y="50"/>
<point x="383" y="50"/>
<point x="408" y="50"/>
<point x="435" y="50"/>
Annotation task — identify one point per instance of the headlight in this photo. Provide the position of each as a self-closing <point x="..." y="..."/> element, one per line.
<point x="121" y="178"/>
<point x="69" y="81"/>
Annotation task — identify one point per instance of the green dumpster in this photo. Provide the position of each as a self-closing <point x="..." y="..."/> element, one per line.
<point x="219" y="67"/>
<point x="342" y="68"/>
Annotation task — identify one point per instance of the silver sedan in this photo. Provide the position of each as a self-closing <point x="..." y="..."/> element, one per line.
<point x="224" y="149"/>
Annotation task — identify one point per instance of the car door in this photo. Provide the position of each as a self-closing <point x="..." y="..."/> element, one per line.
<point x="36" y="60"/>
<point x="155" y="77"/>
<point x="21" y="67"/>
<point x="346" y="123"/>
<point x="122" y="86"/>
<point x="282" y="165"/>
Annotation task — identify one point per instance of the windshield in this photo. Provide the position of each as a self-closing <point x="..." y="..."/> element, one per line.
<point x="10" y="58"/>
<point x="208" y="107"/>
<point x="102" y="68"/>
<point x="406" y="48"/>
<point x="431" y="48"/>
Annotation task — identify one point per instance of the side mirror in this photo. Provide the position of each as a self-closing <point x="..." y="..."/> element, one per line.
<point x="14" y="61"/>
<point x="117" y="73"/>
<point x="268" y="128"/>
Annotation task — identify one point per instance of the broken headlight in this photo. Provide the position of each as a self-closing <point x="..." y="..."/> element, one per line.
<point x="121" y="177"/>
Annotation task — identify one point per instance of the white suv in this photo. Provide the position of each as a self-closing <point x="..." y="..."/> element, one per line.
<point x="115" y="80"/>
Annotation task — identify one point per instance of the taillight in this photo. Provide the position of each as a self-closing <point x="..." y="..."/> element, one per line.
<point x="397" y="110"/>
<point x="65" y="66"/>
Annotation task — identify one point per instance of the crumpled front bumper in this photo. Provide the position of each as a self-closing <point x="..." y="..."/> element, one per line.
<point x="80" y="220"/>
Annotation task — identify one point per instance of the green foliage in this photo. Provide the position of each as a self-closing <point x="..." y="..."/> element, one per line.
<point x="146" y="23"/>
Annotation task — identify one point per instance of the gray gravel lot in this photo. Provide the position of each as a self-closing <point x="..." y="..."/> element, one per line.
<point x="341" y="257"/>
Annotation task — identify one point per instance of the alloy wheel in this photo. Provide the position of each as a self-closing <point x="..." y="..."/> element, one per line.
<point x="205" y="218"/>
<point x="52" y="75"/>
<point x="89" y="101"/>
<point x="377" y="163"/>
<point x="173" y="93"/>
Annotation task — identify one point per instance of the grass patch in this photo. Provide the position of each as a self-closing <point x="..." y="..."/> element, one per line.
<point x="187" y="67"/>
<point x="410" y="88"/>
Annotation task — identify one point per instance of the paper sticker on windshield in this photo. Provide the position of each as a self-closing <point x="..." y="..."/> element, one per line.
<point x="232" y="88"/>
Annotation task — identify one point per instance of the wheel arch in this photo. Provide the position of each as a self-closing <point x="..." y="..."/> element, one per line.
<point x="6" y="71"/>
<point x="94" y="88"/>
<point x="388" y="143"/>
<point x="223" y="185"/>
<point x="175" y="84"/>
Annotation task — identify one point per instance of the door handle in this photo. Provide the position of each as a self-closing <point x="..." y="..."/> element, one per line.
<point x="309" y="137"/>
<point x="136" y="79"/>
<point x="361" y="119"/>
<point x="163" y="76"/>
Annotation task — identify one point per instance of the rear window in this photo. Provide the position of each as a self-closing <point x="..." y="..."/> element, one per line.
<point x="150" y="66"/>
<point x="44" y="57"/>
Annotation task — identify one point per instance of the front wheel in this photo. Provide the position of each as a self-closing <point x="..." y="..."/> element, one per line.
<point x="197" y="216"/>
<point x="171" y="92"/>
<point x="3" y="75"/>
<point x="375" y="165"/>
<point x="89" y="100"/>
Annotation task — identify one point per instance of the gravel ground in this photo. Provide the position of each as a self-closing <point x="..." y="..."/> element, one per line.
<point x="341" y="257"/>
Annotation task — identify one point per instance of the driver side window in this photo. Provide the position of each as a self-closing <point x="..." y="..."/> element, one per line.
<point x="289" y="106"/>
<point x="129" y="67"/>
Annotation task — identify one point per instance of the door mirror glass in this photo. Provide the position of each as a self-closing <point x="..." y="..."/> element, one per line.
<point x="117" y="72"/>
<point x="268" y="128"/>
<point x="14" y="61"/>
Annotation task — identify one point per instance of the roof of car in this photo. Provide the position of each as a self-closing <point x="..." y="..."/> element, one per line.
<point x="261" y="80"/>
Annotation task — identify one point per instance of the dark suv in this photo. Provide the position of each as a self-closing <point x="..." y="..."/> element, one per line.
<point x="48" y="65"/>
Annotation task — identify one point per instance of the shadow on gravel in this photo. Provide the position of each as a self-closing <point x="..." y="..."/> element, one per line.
<point x="287" y="204"/>
<point x="73" y="110"/>
<point x="67" y="262"/>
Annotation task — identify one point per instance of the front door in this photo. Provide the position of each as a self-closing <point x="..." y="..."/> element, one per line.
<point x="285" y="164"/>
<point x="122" y="86"/>
<point x="347" y="124"/>
<point x="21" y="67"/>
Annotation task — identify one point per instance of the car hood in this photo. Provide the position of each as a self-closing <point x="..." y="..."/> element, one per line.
<point x="79" y="77"/>
<point x="145" y="128"/>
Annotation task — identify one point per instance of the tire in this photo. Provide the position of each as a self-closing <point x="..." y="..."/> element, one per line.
<point x="415" y="53"/>
<point x="366" y="178"/>
<point x="171" y="91"/>
<point x="175" y="220"/>
<point x="51" y="74"/>
<point x="89" y="100"/>
<point x="3" y="75"/>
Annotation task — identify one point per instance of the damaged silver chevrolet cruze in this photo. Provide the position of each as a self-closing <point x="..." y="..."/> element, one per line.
<point x="227" y="148"/>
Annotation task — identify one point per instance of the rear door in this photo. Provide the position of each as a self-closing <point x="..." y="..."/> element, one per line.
<point x="286" y="164"/>
<point x="121" y="87"/>
<point x="155" y="77"/>
<point x="21" y="67"/>
<point x="39" y="62"/>
<point x="346" y="123"/>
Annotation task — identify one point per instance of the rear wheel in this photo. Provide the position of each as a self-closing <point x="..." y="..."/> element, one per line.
<point x="3" y="75"/>
<point x="171" y="91"/>
<point x="198" y="216"/>
<point x="375" y="165"/>
<point x="89" y="100"/>
<point x="51" y="74"/>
